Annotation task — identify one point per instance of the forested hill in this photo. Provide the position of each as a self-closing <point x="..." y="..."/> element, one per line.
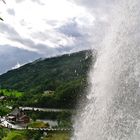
<point x="64" y="74"/>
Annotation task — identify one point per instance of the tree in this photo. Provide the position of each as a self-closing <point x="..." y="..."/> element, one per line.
<point x="5" y="3"/>
<point x="1" y="19"/>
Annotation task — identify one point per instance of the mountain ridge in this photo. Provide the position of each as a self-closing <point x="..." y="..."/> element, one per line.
<point x="65" y="76"/>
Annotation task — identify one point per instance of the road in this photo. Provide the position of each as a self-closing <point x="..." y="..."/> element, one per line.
<point x="45" y="109"/>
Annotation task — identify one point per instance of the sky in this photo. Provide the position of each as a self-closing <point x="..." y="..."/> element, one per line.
<point x="35" y="29"/>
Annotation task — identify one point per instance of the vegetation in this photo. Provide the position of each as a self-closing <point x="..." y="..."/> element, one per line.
<point x="9" y="99"/>
<point x="58" y="136"/>
<point x="54" y="82"/>
<point x="5" y="3"/>
<point x="5" y="134"/>
<point x="4" y="110"/>
<point x="63" y="118"/>
<point x="65" y="96"/>
<point x="47" y="74"/>
<point x="15" y="135"/>
<point x="49" y="115"/>
<point x="10" y="93"/>
<point x="38" y="124"/>
<point x="20" y="135"/>
<point x="1" y="18"/>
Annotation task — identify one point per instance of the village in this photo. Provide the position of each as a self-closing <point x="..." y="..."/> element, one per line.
<point x="19" y="118"/>
<point x="16" y="119"/>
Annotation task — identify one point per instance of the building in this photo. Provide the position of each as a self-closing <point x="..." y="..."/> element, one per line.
<point x="2" y="98"/>
<point x="18" y="116"/>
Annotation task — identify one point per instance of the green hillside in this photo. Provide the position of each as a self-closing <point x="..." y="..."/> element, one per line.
<point x="51" y="82"/>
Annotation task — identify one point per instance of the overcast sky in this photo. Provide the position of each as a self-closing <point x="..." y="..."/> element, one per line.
<point x="45" y="28"/>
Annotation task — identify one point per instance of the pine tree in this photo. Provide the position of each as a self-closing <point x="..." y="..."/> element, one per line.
<point x="5" y="3"/>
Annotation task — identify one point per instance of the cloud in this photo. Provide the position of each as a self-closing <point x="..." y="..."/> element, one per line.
<point x="17" y="66"/>
<point x="102" y="11"/>
<point x="29" y="31"/>
<point x="49" y="28"/>
<point x="38" y="1"/>
<point x="8" y="30"/>
<point x="71" y="29"/>
<point x="11" y="12"/>
<point x="19" y="1"/>
<point x="10" y="56"/>
<point x="12" y="35"/>
<point x="96" y="5"/>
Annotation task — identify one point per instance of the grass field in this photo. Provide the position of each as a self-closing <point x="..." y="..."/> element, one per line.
<point x="15" y="135"/>
<point x="38" y="124"/>
<point x="58" y="136"/>
<point x="35" y="135"/>
<point x="13" y="93"/>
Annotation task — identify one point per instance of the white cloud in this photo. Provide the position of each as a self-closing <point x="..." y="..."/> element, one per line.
<point x="10" y="55"/>
<point x="38" y="21"/>
<point x="96" y="5"/>
<point x="52" y="27"/>
<point x="16" y="66"/>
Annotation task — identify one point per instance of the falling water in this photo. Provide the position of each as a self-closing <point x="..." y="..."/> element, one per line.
<point x="113" y="108"/>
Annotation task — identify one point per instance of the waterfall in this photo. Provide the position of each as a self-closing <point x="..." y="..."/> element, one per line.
<point x="113" y="108"/>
